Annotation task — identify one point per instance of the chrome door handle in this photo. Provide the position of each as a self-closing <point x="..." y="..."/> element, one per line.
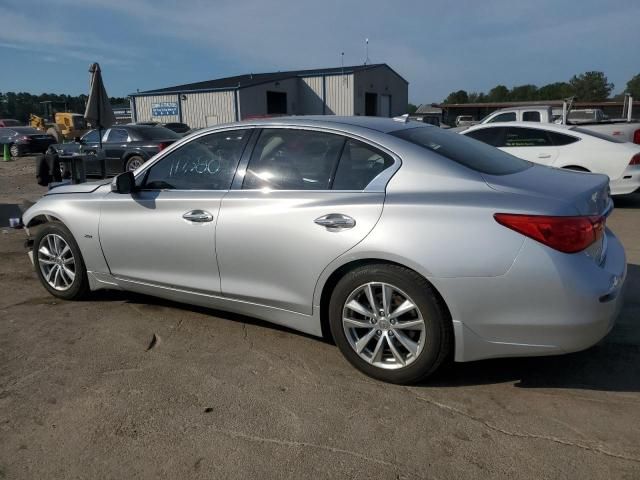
<point x="198" y="216"/>
<point x="544" y="155"/>
<point x="335" y="221"/>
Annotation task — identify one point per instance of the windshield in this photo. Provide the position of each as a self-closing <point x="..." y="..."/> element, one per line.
<point x="156" y="133"/>
<point x="599" y="135"/>
<point x="464" y="150"/>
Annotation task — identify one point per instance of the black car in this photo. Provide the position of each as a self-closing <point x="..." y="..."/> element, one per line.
<point x="25" y="140"/>
<point x="124" y="147"/>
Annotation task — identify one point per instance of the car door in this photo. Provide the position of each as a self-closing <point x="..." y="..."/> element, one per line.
<point x="117" y="140"/>
<point x="163" y="234"/>
<point x="531" y="144"/>
<point x="299" y="200"/>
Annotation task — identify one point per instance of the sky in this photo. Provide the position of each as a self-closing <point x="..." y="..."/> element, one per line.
<point x="439" y="46"/>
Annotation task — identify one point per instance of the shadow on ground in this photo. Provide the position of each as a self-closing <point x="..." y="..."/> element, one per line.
<point x="627" y="201"/>
<point x="612" y="365"/>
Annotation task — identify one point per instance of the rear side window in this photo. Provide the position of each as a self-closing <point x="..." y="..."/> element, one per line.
<point x="504" y="117"/>
<point x="465" y="151"/>
<point x="560" y="139"/>
<point x="156" y="133"/>
<point x="291" y="159"/>
<point x="526" y="137"/>
<point x="531" y="116"/>
<point x="359" y="164"/>
<point x="117" y="135"/>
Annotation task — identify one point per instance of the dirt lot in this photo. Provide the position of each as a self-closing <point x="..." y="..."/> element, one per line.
<point x="221" y="396"/>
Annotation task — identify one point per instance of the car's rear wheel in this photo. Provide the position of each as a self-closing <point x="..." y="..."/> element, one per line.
<point x="389" y="323"/>
<point x="14" y="150"/>
<point x="58" y="262"/>
<point x="133" y="162"/>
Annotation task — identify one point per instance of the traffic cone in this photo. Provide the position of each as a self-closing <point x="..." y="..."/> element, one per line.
<point x="7" y="154"/>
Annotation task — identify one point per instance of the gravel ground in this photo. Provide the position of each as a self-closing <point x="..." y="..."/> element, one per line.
<point x="221" y="396"/>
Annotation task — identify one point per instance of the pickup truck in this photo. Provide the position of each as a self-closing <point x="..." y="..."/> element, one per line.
<point x="622" y="129"/>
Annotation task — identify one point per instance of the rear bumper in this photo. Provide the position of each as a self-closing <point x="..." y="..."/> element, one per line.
<point x="629" y="182"/>
<point x="547" y="303"/>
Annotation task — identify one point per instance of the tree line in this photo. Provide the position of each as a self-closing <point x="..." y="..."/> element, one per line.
<point x="20" y="105"/>
<point x="587" y="87"/>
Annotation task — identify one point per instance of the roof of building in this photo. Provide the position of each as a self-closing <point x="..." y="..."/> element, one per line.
<point x="252" y="79"/>
<point x="427" y="108"/>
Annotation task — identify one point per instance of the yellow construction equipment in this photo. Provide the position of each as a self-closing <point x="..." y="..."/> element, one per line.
<point x="63" y="126"/>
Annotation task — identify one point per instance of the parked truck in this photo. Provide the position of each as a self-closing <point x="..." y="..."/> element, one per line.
<point x="624" y="128"/>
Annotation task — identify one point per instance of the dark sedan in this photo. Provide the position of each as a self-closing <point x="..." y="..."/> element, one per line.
<point x="25" y="140"/>
<point x="124" y="147"/>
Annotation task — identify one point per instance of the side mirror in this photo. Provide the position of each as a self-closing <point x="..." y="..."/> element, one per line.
<point x="124" y="183"/>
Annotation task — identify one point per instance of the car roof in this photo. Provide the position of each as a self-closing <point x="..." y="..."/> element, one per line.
<point x="380" y="124"/>
<point x="553" y="127"/>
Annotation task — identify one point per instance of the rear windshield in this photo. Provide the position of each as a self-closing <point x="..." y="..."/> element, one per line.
<point x="11" y="123"/>
<point x="156" y="133"/>
<point x="599" y="135"/>
<point x="464" y="150"/>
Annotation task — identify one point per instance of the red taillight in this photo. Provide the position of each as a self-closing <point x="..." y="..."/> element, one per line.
<point x="635" y="160"/>
<point x="636" y="136"/>
<point x="566" y="234"/>
<point x="162" y="146"/>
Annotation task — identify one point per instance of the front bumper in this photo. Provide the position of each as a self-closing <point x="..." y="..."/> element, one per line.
<point x="547" y="303"/>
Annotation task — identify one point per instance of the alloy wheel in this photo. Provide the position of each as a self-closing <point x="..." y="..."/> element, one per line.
<point x="133" y="164"/>
<point x="383" y="325"/>
<point x="56" y="262"/>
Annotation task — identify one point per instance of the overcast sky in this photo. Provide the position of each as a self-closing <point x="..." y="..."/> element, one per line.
<point x="437" y="45"/>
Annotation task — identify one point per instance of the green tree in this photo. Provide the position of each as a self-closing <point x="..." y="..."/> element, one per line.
<point x="411" y="108"/>
<point x="633" y="86"/>
<point x="477" y="97"/>
<point x="499" y="93"/>
<point x="460" y="96"/>
<point x="523" y="93"/>
<point x="591" y="86"/>
<point x="555" y="91"/>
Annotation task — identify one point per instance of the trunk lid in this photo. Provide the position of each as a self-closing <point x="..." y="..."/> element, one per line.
<point x="588" y="193"/>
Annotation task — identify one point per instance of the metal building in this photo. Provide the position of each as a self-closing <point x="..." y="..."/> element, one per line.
<point x="374" y="90"/>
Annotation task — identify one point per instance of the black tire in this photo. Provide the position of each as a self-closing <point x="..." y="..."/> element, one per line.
<point x="15" y="150"/>
<point x="133" y="162"/>
<point x="79" y="287"/>
<point x="438" y="329"/>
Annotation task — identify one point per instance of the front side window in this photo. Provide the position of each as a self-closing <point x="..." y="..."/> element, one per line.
<point x="526" y="137"/>
<point x="491" y="136"/>
<point x="117" y="135"/>
<point x="91" y="137"/>
<point x="359" y="165"/>
<point x="205" y="163"/>
<point x="504" y="117"/>
<point x="290" y="159"/>
<point x="531" y="116"/>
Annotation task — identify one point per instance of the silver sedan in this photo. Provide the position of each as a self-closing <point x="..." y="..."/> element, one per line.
<point x="408" y="245"/>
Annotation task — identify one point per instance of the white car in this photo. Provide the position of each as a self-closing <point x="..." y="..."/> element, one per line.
<point x="570" y="147"/>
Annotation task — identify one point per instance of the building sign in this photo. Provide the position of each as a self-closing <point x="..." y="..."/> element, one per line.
<point x="164" y="109"/>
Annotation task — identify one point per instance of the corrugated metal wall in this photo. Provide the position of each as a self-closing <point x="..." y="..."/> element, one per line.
<point x="209" y="108"/>
<point x="310" y="96"/>
<point x="340" y="98"/>
<point x="143" y="108"/>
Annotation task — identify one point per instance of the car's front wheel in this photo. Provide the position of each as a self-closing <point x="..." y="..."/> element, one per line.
<point x="14" y="150"/>
<point x="389" y="323"/>
<point x="133" y="162"/>
<point x="58" y="262"/>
